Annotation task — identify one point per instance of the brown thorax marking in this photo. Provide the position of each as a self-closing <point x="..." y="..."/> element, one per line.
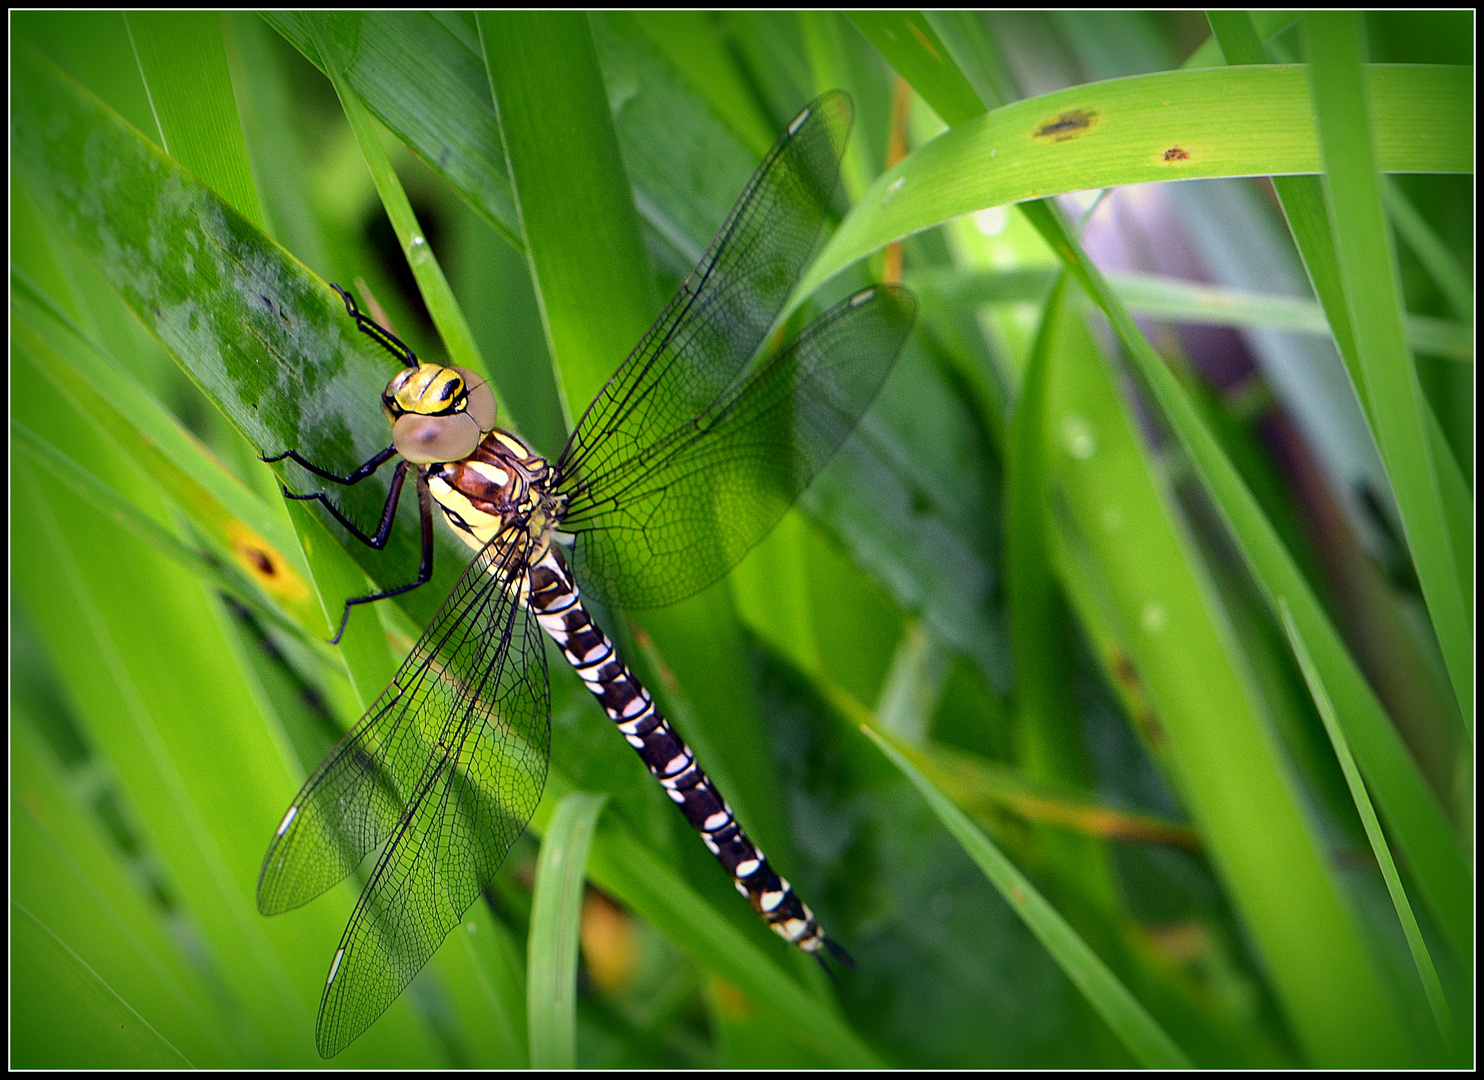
<point x="504" y="479"/>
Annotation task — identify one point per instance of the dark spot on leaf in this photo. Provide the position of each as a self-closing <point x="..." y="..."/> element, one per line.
<point x="258" y="559"/>
<point x="924" y="42"/>
<point x="1174" y="153"/>
<point x="1068" y="125"/>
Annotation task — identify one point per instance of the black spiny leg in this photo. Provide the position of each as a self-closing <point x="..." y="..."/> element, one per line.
<point x="425" y="568"/>
<point x="388" y="512"/>
<point x="375" y="331"/>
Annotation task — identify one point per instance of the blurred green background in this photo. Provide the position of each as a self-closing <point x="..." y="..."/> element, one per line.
<point x="1049" y="573"/>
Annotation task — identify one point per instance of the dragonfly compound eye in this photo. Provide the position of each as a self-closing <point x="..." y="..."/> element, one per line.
<point x="424" y="440"/>
<point x="481" y="399"/>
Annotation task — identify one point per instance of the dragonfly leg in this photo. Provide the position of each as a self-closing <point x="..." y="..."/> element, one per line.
<point x="380" y="458"/>
<point x="375" y="331"/>
<point x="425" y="567"/>
<point x="388" y="511"/>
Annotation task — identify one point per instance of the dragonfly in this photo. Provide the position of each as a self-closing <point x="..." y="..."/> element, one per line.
<point x="682" y="463"/>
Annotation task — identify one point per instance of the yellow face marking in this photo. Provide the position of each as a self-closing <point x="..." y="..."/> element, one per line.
<point x="426" y="390"/>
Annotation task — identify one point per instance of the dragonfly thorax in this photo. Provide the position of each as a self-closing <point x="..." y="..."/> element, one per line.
<point x="503" y="486"/>
<point x="438" y="413"/>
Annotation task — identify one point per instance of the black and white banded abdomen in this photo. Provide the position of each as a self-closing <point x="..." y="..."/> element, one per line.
<point x="558" y="607"/>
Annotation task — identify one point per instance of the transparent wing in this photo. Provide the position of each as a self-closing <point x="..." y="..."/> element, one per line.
<point x="685" y="509"/>
<point x="445" y="769"/>
<point x="718" y="319"/>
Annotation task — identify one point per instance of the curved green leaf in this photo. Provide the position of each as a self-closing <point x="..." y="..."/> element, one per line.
<point x="1173" y="125"/>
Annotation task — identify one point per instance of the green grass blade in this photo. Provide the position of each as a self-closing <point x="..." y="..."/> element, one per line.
<point x="1180" y="301"/>
<point x="62" y="866"/>
<point x="1144" y="1038"/>
<point x="1205" y="715"/>
<point x="1304" y="205"/>
<point x="1343" y="103"/>
<point x="1419" y="826"/>
<point x="913" y="686"/>
<point x="244" y="533"/>
<point x="88" y="487"/>
<point x="139" y="648"/>
<point x="649" y="885"/>
<point x="634" y="875"/>
<point x="1046" y="715"/>
<point x="556" y="920"/>
<point x="1420" y="956"/>
<point x="423" y="78"/>
<point x="184" y="64"/>
<point x="912" y="46"/>
<point x="1419" y="235"/>
<point x="552" y="105"/>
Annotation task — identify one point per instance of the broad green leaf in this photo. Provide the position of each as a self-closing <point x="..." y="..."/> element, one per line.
<point x="102" y="1031"/>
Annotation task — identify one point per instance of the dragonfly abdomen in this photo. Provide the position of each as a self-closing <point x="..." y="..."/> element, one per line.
<point x="558" y="607"/>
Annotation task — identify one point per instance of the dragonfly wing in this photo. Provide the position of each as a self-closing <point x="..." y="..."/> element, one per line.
<point x="446" y="769"/>
<point x="684" y="511"/>
<point x="717" y="321"/>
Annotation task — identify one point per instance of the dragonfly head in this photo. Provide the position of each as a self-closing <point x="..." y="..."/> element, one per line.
<point x="438" y="413"/>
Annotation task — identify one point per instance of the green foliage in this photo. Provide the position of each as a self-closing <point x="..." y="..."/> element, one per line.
<point x="1158" y="648"/>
